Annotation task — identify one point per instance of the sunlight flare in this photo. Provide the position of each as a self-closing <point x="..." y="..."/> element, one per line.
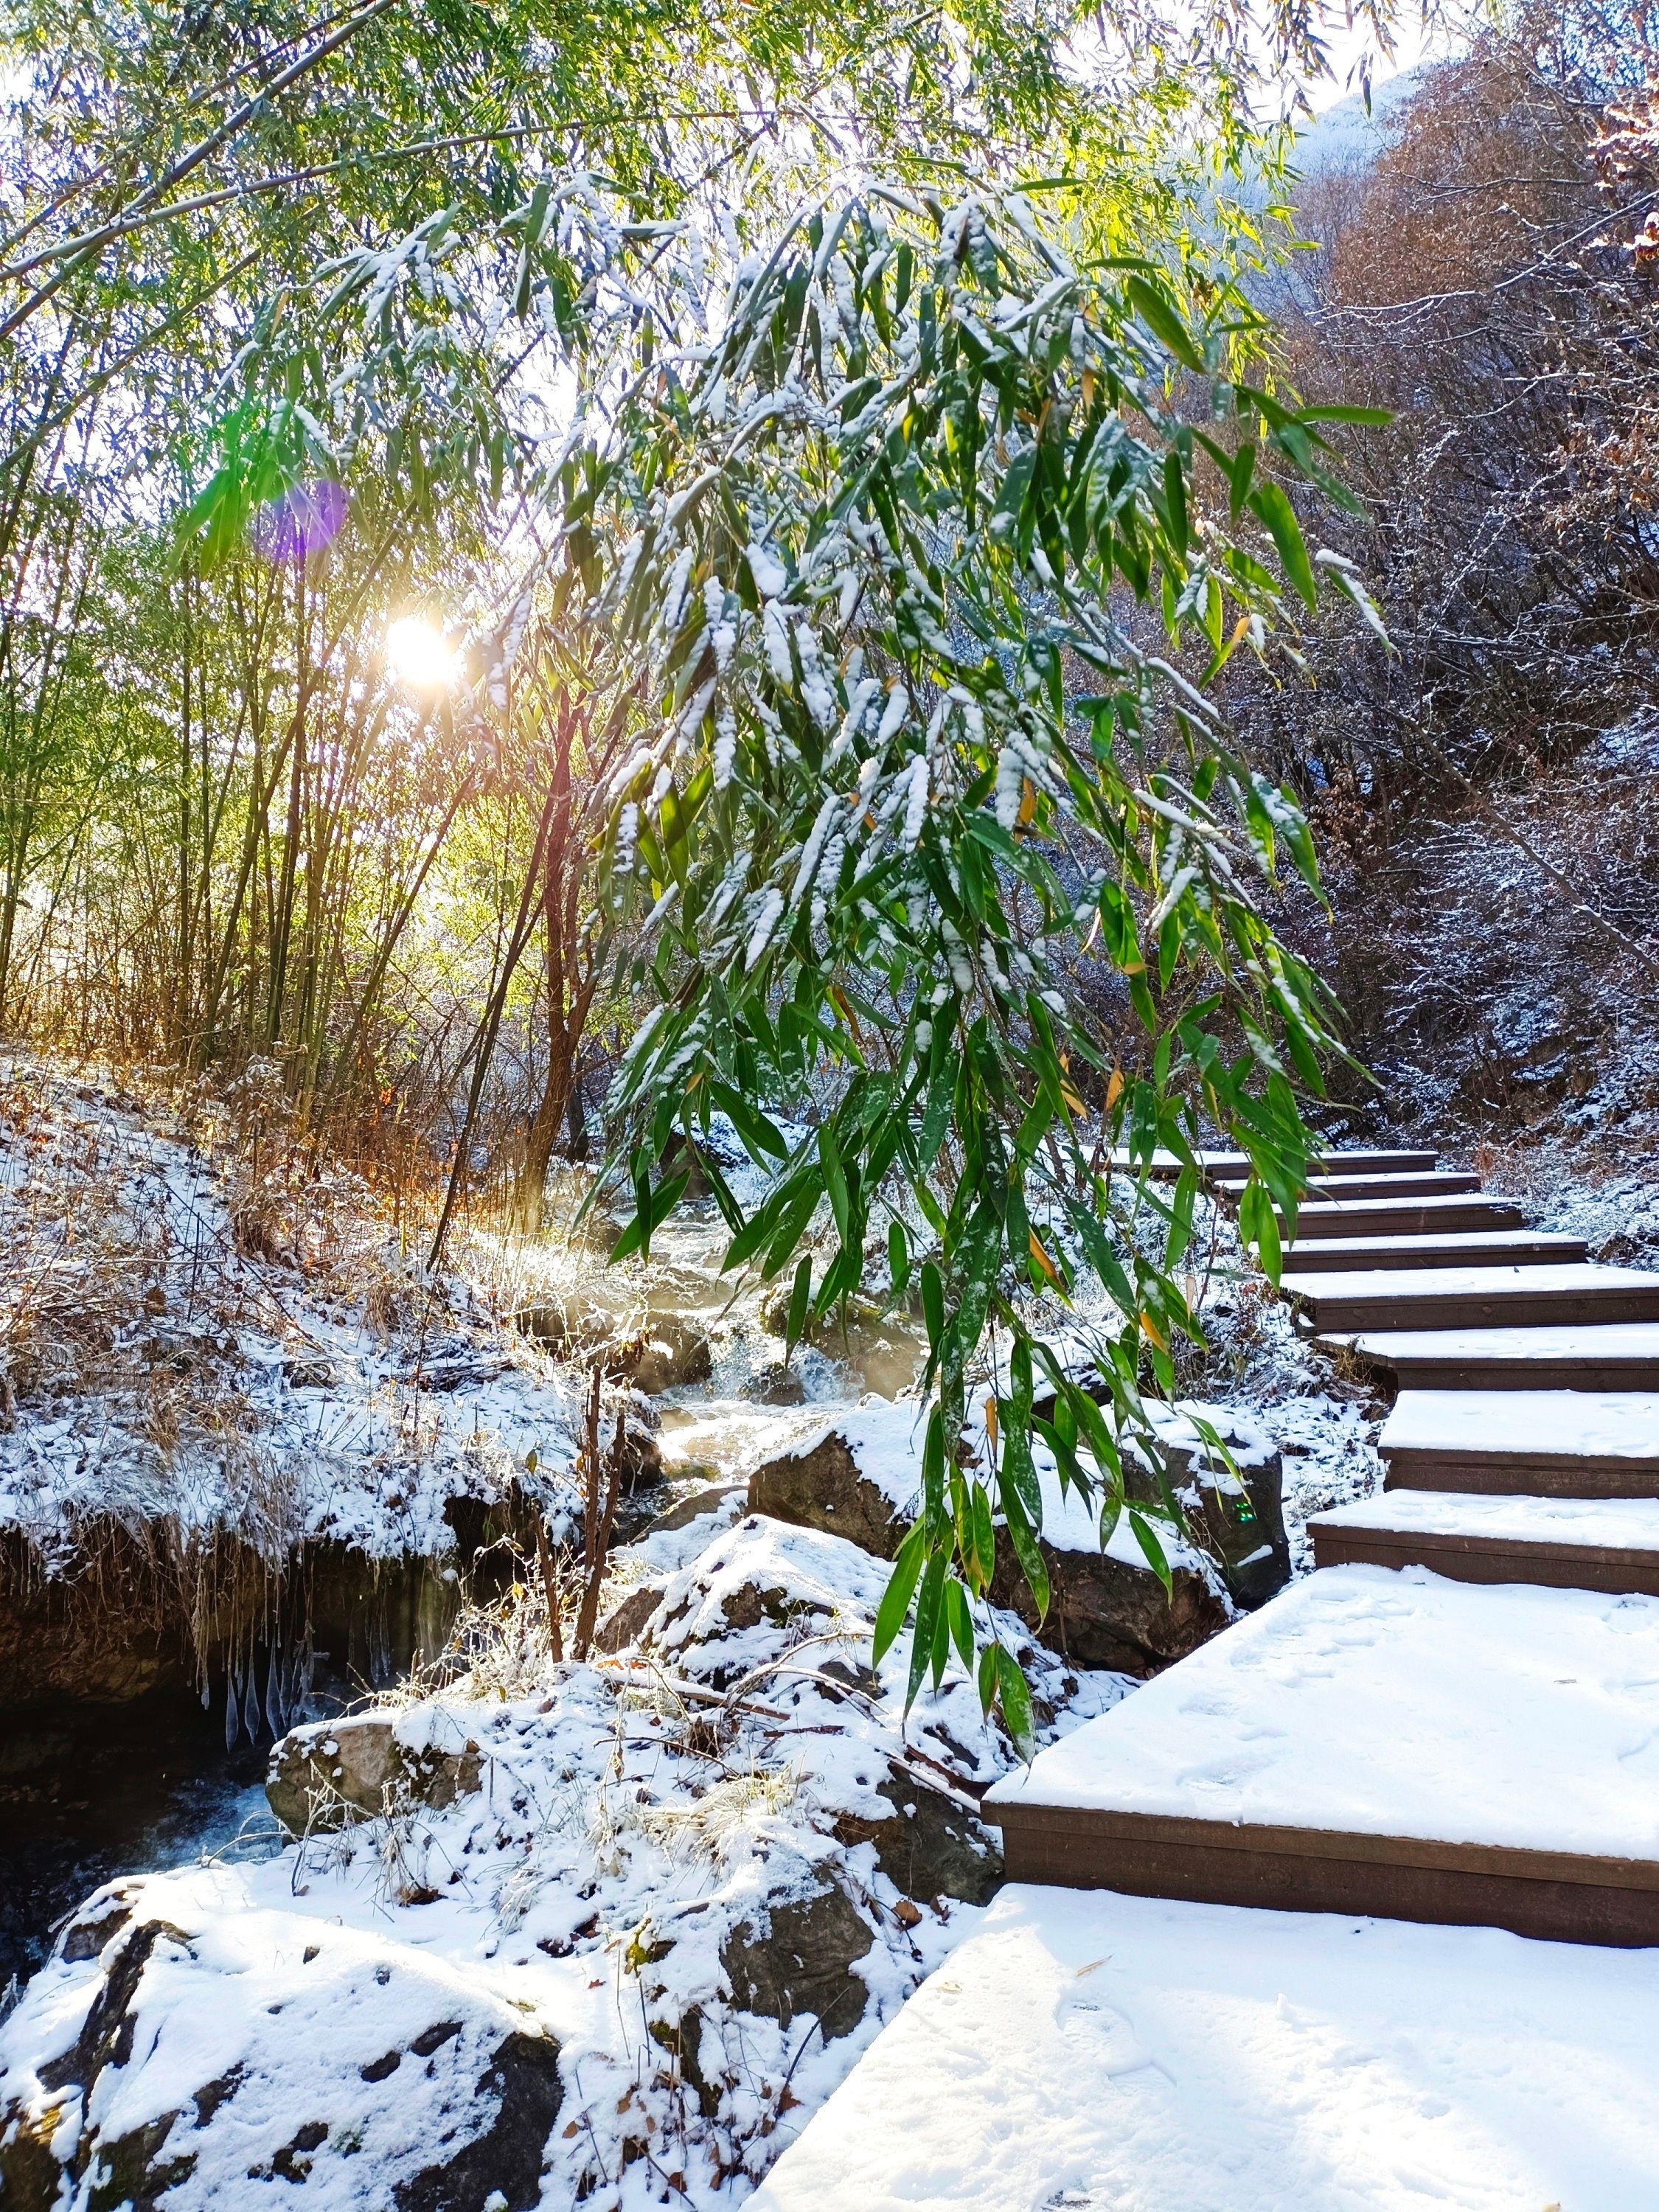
<point x="419" y="655"/>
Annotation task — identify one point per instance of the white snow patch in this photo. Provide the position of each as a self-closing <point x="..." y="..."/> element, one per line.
<point x="1124" y="2054"/>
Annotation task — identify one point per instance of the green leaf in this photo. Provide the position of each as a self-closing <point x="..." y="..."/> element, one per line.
<point x="961" y="1618"/>
<point x="1016" y="1701"/>
<point x="1151" y="1550"/>
<point x="1159" y="313"/>
<point x="898" y="1257"/>
<point x="761" y="1139"/>
<point x="1258" y="1227"/>
<point x="1269" y="501"/>
<point x="800" y="1298"/>
<point x="928" y="1603"/>
<point x="895" y="1598"/>
<point x="836" y="1182"/>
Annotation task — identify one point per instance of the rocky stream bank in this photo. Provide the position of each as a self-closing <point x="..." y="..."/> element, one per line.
<point x="496" y="1925"/>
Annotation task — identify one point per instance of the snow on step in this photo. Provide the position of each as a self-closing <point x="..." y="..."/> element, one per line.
<point x="1577" y="1543"/>
<point x="1564" y="1443"/>
<point x="1165" y="1165"/>
<point x="1462" y="1298"/>
<point x="1505" y="1248"/>
<point x="1372" y="1742"/>
<point x="1608" y="1356"/>
<point x="1405" y="1217"/>
<point x="1128" y="2054"/>
<point x="1442" y="1183"/>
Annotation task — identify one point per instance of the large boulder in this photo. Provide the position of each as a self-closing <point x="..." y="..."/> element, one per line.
<point x="857" y="1475"/>
<point x="195" y="2053"/>
<point x="929" y="1846"/>
<point x="797" y="1956"/>
<point x="1106" y="1608"/>
<point x="820" y="1482"/>
<point x="330" y="1774"/>
<point x="657" y="1349"/>
<point x="1238" y="1517"/>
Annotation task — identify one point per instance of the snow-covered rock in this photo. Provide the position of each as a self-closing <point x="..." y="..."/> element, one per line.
<point x="331" y="1773"/>
<point x="210" y="2046"/>
<point x="858" y="1473"/>
<point x="693" y="1882"/>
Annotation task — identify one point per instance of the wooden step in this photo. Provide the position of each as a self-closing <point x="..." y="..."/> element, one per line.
<point x="1473" y="1298"/>
<point x="1559" y="1443"/>
<point x="1165" y="1166"/>
<point x="1615" y="1356"/>
<point x="1408" y="1217"/>
<point x="1444" y="1183"/>
<point x="1524" y="1247"/>
<point x="1370" y="1742"/>
<point x="1563" y="1543"/>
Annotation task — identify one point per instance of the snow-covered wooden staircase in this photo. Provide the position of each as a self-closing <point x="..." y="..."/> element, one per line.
<point x="1475" y="1746"/>
<point x="1261" y="1806"/>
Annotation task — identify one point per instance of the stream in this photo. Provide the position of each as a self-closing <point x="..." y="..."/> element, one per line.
<point x="88" y="1792"/>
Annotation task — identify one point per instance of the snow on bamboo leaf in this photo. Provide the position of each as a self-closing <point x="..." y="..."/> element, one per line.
<point x="932" y="455"/>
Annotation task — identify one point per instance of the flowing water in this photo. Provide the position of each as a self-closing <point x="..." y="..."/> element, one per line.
<point x="88" y="1792"/>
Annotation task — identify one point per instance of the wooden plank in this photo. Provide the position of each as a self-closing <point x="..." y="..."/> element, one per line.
<point x="1420" y="1217"/>
<point x="1560" y="1444"/>
<point x="1611" y="1356"/>
<point x="1556" y="1897"/>
<point x="1457" y="1297"/>
<point x="1165" y="1166"/>
<point x="1370" y="1741"/>
<point x="1506" y="1248"/>
<point x="1467" y="1558"/>
<point x="1559" y="1474"/>
<point x="1442" y="1183"/>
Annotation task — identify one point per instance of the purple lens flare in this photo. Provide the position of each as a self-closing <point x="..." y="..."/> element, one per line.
<point x="301" y="522"/>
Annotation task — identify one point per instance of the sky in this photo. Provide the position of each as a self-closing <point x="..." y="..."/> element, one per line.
<point x="1414" y="45"/>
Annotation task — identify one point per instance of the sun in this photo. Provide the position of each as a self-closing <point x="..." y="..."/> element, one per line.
<point x="419" y="655"/>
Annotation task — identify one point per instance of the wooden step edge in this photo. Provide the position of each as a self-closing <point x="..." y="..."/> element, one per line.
<point x="1618" y="1570"/>
<point x="1327" y="1166"/>
<point x="1633" y="1371"/>
<point x="1439" y="1183"/>
<point x="1540" y="1474"/>
<point x="1517" y="1307"/>
<point x="1406" y="1220"/>
<point x="1554" y="1896"/>
<point x="1314" y="1258"/>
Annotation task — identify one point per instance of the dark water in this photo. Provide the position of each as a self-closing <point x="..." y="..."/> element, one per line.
<point x="89" y="1792"/>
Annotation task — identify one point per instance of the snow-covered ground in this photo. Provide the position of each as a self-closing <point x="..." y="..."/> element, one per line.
<point x="695" y="1879"/>
<point x="1127" y="2054"/>
<point x="193" y="1341"/>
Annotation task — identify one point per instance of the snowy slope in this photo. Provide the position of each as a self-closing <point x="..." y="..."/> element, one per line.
<point x="191" y="1339"/>
<point x="1120" y="2054"/>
